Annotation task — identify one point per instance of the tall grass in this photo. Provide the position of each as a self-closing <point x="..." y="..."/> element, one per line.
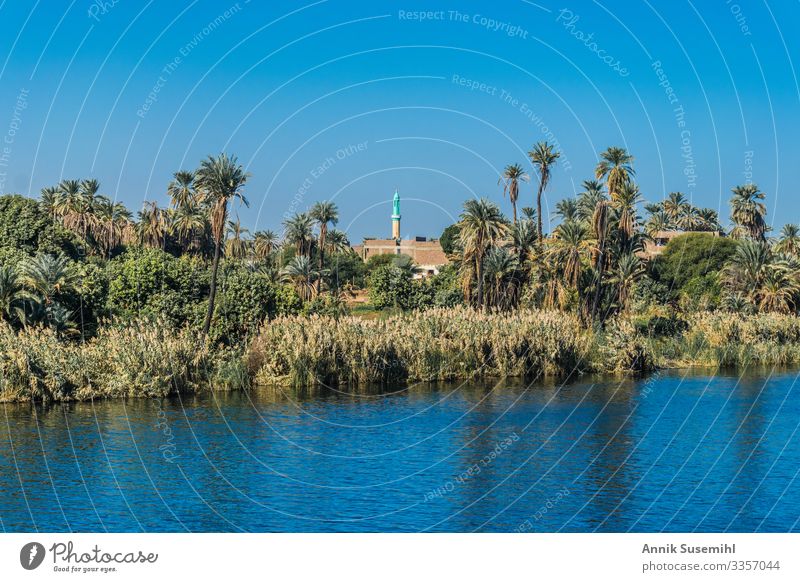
<point x="438" y="344"/>
<point x="136" y="359"/>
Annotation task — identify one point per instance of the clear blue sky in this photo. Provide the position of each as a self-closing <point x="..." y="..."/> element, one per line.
<point x="289" y="85"/>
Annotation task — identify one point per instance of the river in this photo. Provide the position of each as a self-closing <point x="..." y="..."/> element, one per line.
<point x="675" y="451"/>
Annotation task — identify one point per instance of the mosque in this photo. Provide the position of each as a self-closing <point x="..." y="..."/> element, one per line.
<point x="426" y="254"/>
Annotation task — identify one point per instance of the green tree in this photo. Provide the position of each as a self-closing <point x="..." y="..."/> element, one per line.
<point x="220" y="181"/>
<point x="482" y="225"/>
<point x="511" y="177"/>
<point x="542" y="156"/>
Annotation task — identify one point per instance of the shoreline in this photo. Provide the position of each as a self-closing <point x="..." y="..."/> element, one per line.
<point x="151" y="359"/>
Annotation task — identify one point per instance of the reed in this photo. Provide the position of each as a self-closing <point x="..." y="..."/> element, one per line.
<point x="437" y="344"/>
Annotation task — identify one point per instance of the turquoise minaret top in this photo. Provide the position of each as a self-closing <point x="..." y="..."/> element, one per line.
<point x="396" y="205"/>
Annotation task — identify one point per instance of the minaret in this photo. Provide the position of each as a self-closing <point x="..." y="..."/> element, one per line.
<point x="396" y="216"/>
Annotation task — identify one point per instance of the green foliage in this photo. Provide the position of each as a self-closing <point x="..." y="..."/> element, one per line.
<point x="151" y="283"/>
<point x="377" y="261"/>
<point x="689" y="256"/>
<point x="24" y="226"/>
<point x="449" y="239"/>
<point x="390" y="286"/>
<point x="245" y="300"/>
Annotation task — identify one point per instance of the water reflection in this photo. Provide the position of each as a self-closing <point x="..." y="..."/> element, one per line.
<point x="674" y="452"/>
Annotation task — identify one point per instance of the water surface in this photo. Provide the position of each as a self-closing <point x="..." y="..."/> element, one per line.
<point x="671" y="452"/>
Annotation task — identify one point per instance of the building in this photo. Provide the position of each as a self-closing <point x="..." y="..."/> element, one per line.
<point x="426" y="254"/>
<point x="653" y="248"/>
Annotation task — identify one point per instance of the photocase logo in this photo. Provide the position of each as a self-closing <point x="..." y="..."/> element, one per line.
<point x="31" y="555"/>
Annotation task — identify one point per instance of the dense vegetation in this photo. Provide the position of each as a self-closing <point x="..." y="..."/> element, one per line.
<point x="95" y="302"/>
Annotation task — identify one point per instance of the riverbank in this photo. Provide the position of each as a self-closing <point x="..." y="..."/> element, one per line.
<point x="152" y="359"/>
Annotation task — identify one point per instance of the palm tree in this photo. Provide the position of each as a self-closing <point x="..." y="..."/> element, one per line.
<point x="50" y="199"/>
<point x="301" y="272"/>
<point x="625" y="202"/>
<point x="588" y="199"/>
<point x="48" y="276"/>
<point x="748" y="268"/>
<point x="481" y="226"/>
<point x="152" y="225"/>
<point x="299" y="232"/>
<point x="689" y="218"/>
<point x="512" y="175"/>
<point x="324" y="213"/>
<point x="69" y="192"/>
<point x="542" y="156"/>
<point x="657" y="222"/>
<point x="569" y="250"/>
<point x="265" y="241"/>
<point x="778" y="291"/>
<point x="523" y="238"/>
<point x="12" y="295"/>
<point x="748" y="211"/>
<point x="181" y="189"/>
<point x="567" y="209"/>
<point x="219" y="180"/>
<point x="674" y="205"/>
<point x="789" y="242"/>
<point x="600" y="223"/>
<point x="709" y="219"/>
<point x="237" y="247"/>
<point x="188" y="222"/>
<point x="502" y="280"/>
<point x="616" y="167"/>
<point x="629" y="270"/>
<point x="112" y="220"/>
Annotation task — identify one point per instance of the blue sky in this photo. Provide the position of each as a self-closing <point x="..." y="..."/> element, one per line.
<point x="350" y="100"/>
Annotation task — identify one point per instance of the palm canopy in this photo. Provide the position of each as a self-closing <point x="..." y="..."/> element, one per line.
<point x="748" y="211"/>
<point x="221" y="180"/>
<point x="616" y="168"/>
<point x="181" y="189"/>
<point x="542" y="156"/>
<point x="511" y="177"/>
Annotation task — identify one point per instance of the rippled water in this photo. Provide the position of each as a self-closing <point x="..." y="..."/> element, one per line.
<point x="671" y="452"/>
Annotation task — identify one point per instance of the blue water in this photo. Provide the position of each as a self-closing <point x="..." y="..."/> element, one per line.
<point x="672" y="452"/>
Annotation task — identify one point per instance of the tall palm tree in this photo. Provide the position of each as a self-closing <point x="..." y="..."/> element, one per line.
<point x="542" y="156"/>
<point x="789" y="242"/>
<point x="748" y="211"/>
<point x="181" y="189"/>
<point x="481" y="226"/>
<point x="616" y="168"/>
<point x="220" y="180"/>
<point x="265" y="241"/>
<point x="69" y="192"/>
<point x="237" y="246"/>
<point x="299" y="232"/>
<point x="512" y="175"/>
<point x="324" y="213"/>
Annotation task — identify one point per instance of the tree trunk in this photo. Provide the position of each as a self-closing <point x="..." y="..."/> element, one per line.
<point x="479" y="269"/>
<point x="322" y="236"/>
<point x="514" y="206"/>
<point x="539" y="210"/>
<point x="212" y="292"/>
<point x="599" y="269"/>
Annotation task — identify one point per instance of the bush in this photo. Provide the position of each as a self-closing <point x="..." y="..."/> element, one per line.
<point x="152" y="283"/>
<point x="26" y="228"/>
<point x="689" y="256"/>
